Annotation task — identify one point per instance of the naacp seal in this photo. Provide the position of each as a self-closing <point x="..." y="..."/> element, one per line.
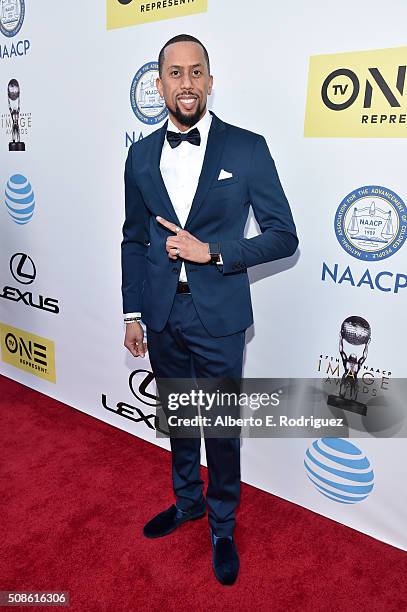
<point x="11" y="16"/>
<point x="146" y="102"/>
<point x="371" y="223"/>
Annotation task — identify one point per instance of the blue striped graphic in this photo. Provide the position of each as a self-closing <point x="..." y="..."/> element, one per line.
<point x="339" y="470"/>
<point x="19" y="199"/>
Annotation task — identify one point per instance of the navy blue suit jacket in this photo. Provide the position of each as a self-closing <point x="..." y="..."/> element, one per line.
<point x="218" y="213"/>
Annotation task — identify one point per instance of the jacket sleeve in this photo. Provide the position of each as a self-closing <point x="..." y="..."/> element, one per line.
<point x="135" y="240"/>
<point x="278" y="236"/>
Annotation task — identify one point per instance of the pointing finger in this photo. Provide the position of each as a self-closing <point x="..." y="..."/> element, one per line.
<point x="171" y="226"/>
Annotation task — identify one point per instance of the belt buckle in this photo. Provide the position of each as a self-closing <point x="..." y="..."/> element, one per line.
<point x="183" y="287"/>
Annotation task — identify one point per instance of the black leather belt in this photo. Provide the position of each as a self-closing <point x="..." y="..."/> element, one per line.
<point x="183" y="287"/>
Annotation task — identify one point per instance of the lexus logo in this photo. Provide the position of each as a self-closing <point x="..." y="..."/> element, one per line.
<point x="22" y="268"/>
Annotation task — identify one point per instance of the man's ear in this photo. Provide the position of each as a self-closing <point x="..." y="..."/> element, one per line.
<point x="210" y="85"/>
<point x="159" y="86"/>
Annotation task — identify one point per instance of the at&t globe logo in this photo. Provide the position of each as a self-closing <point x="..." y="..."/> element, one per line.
<point x="11" y="16"/>
<point x="339" y="470"/>
<point x="146" y="102"/>
<point x="19" y="199"/>
<point x="371" y="223"/>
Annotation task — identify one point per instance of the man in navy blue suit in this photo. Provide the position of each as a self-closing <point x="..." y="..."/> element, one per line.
<point x="188" y="189"/>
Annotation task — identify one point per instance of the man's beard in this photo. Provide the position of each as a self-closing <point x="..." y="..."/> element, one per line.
<point x="187" y="120"/>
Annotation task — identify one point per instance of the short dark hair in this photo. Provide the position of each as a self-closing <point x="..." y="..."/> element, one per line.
<point x="181" y="38"/>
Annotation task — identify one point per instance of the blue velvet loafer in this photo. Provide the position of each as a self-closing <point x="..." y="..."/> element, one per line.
<point x="170" y="519"/>
<point x="225" y="560"/>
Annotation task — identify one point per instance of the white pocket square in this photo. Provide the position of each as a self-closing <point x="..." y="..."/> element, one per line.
<point x="223" y="174"/>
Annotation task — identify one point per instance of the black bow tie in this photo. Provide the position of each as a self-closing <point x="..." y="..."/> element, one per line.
<point x="175" y="138"/>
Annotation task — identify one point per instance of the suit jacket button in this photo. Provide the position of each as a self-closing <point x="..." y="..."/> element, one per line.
<point x="175" y="269"/>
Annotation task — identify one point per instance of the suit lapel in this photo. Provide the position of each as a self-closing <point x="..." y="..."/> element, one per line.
<point x="154" y="166"/>
<point x="214" y="148"/>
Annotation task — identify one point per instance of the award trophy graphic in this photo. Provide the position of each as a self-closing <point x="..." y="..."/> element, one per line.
<point x="13" y="91"/>
<point x="356" y="332"/>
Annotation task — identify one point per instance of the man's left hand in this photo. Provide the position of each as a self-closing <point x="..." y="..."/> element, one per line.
<point x="189" y="247"/>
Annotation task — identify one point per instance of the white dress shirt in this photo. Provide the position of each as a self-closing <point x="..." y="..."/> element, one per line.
<point x="180" y="168"/>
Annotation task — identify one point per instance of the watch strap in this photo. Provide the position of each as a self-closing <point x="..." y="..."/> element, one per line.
<point x="214" y="252"/>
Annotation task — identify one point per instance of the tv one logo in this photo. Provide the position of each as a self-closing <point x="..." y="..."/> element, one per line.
<point x="124" y="13"/>
<point x="357" y="95"/>
<point x="28" y="352"/>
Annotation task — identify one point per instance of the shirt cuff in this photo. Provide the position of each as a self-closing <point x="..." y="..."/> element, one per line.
<point x="131" y="315"/>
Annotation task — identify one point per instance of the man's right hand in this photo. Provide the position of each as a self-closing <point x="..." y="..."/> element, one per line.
<point x="134" y="339"/>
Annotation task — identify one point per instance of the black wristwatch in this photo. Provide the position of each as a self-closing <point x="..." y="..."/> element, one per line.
<point x="214" y="252"/>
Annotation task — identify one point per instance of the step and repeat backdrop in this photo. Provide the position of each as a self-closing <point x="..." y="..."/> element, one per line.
<point x="328" y="91"/>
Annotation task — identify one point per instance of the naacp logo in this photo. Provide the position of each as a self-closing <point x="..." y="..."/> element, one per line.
<point x="371" y="223"/>
<point x="146" y="102"/>
<point x="11" y="16"/>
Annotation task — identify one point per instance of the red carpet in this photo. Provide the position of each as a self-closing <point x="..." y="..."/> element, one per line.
<point x="76" y="493"/>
